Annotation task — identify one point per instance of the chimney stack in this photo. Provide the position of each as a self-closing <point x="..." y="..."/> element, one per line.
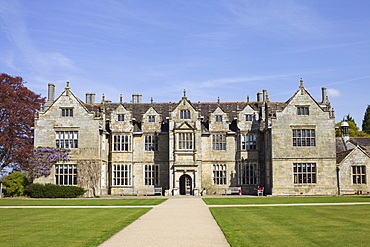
<point x="259" y="97"/>
<point x="90" y="98"/>
<point x="51" y="92"/>
<point x="324" y="96"/>
<point x="137" y="98"/>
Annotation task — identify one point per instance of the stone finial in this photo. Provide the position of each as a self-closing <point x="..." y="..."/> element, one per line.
<point x="184" y="92"/>
<point x="151" y="100"/>
<point x="120" y="98"/>
<point x="67" y="84"/>
<point x="301" y="83"/>
<point x="103" y="98"/>
<point x="218" y="99"/>
<point x="247" y="98"/>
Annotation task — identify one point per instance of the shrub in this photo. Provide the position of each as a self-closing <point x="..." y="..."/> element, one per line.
<point x="15" y="183"/>
<point x="55" y="191"/>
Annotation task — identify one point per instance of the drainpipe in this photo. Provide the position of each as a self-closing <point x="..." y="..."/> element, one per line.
<point x="338" y="185"/>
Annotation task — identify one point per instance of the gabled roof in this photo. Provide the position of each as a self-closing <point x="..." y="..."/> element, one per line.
<point x="344" y="154"/>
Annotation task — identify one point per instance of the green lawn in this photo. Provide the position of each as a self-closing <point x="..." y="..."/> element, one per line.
<point x="81" y="202"/>
<point x="295" y="226"/>
<point x="63" y="227"/>
<point x="278" y="200"/>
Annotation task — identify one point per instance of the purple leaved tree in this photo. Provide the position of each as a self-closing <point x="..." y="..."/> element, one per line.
<point x="43" y="160"/>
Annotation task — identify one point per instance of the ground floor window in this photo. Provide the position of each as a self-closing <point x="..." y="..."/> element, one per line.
<point x="304" y="173"/>
<point x="66" y="174"/>
<point x="359" y="174"/>
<point x="151" y="174"/>
<point x="121" y="175"/>
<point x="219" y="174"/>
<point x="248" y="174"/>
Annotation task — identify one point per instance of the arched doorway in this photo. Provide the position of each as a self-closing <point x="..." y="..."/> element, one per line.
<point x="185" y="185"/>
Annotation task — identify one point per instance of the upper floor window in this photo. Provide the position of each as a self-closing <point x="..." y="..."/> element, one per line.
<point x="304" y="138"/>
<point x="184" y="114"/>
<point x="248" y="142"/>
<point x="66" y="139"/>
<point x="359" y="174"/>
<point x="151" y="143"/>
<point x="122" y="143"/>
<point x="185" y="141"/>
<point x="218" y="118"/>
<point x="121" y="117"/>
<point x="218" y="142"/>
<point x="249" y="117"/>
<point x="67" y="112"/>
<point x="151" y="119"/>
<point x="303" y="110"/>
<point x="304" y="173"/>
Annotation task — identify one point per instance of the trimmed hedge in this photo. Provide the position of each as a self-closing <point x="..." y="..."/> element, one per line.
<point x="55" y="191"/>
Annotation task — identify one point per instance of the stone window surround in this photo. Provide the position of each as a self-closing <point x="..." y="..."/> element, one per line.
<point x="151" y="143"/>
<point x="303" y="110"/>
<point x="248" y="173"/>
<point x="121" y="142"/>
<point x="65" y="174"/>
<point x="219" y="174"/>
<point x="121" y="174"/>
<point x="248" y="141"/>
<point x="66" y="111"/>
<point x="219" y="142"/>
<point x="304" y="136"/>
<point x="359" y="174"/>
<point x="151" y="174"/>
<point x="304" y="173"/>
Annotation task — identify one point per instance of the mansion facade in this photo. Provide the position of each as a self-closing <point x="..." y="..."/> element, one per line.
<point x="187" y="148"/>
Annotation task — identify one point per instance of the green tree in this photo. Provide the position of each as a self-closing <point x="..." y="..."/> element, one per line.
<point x="353" y="130"/>
<point x="15" y="184"/>
<point x="366" y="121"/>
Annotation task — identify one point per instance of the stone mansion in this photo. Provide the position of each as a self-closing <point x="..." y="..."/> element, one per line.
<point x="187" y="148"/>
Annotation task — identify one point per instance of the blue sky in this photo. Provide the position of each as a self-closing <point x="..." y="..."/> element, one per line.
<point x="211" y="48"/>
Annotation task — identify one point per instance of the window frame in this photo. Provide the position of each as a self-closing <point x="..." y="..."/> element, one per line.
<point x="151" y="119"/>
<point x="122" y="175"/>
<point x="304" y="137"/>
<point x="303" y="110"/>
<point x="218" y="118"/>
<point x="358" y="174"/>
<point x="248" y="141"/>
<point x="65" y="175"/>
<point x="151" y="143"/>
<point x="219" y="142"/>
<point x="248" y="173"/>
<point x="185" y="114"/>
<point x="120" y="117"/>
<point x="66" y="139"/>
<point x="304" y="173"/>
<point x="151" y="174"/>
<point x="185" y="141"/>
<point x="122" y="143"/>
<point x="67" y="112"/>
<point x="219" y="174"/>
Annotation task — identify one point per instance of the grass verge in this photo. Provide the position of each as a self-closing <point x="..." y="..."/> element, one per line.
<point x="63" y="227"/>
<point x="80" y="202"/>
<point x="347" y="225"/>
<point x="284" y="200"/>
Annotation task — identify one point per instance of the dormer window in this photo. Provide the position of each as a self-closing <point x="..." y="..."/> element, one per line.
<point x="67" y="112"/>
<point x="121" y="117"/>
<point x="151" y="119"/>
<point x="249" y="117"/>
<point x="303" y="110"/>
<point x="184" y="114"/>
<point x="219" y="118"/>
